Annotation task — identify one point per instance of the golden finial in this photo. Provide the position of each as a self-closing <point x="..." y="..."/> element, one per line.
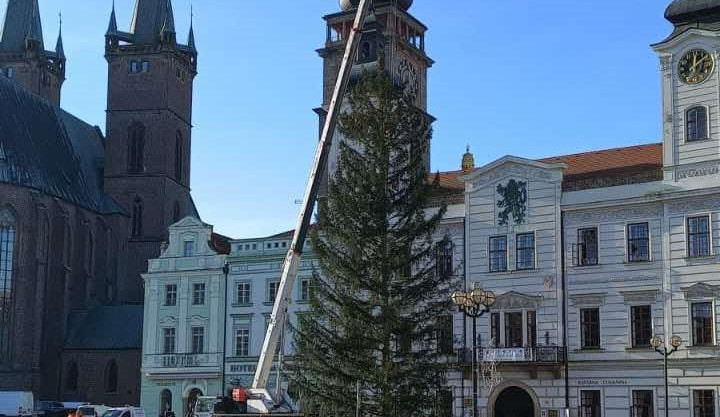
<point x="468" y="160"/>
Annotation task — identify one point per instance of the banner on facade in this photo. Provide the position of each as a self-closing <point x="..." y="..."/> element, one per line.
<point x="505" y="355"/>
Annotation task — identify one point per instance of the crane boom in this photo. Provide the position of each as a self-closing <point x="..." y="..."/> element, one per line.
<point x="292" y="259"/>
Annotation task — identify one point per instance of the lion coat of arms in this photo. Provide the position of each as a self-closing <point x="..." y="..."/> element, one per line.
<point x="512" y="202"/>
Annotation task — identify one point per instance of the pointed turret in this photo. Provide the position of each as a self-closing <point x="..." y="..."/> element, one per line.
<point x="112" y="26"/>
<point x="59" y="50"/>
<point x="151" y="18"/>
<point x="22" y="27"/>
<point x="191" y="38"/>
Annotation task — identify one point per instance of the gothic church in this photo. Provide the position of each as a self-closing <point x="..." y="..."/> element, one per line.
<point x="81" y="211"/>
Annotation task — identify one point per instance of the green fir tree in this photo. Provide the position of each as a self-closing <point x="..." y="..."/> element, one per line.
<point x="375" y="313"/>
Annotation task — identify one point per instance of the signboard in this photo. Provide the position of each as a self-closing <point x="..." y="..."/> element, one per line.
<point x="180" y="361"/>
<point x="601" y="382"/>
<point x="505" y="355"/>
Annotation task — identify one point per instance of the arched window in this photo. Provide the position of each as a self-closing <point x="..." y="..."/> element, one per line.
<point x="179" y="156"/>
<point x="165" y="401"/>
<point x="696" y="123"/>
<point x="136" y="148"/>
<point x="137" y="217"/>
<point x="7" y="250"/>
<point x="111" y="377"/>
<point x="176" y="212"/>
<point x="71" y="376"/>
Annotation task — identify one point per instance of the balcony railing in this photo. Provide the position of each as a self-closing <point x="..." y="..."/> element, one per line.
<point x="538" y="354"/>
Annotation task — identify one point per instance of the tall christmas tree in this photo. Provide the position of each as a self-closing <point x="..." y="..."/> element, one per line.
<point x="379" y="301"/>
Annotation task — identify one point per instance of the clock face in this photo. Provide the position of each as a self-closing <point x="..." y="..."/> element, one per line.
<point x="408" y="77"/>
<point x="695" y="66"/>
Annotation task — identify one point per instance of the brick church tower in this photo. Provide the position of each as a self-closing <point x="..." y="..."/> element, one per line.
<point x="149" y="111"/>
<point x="22" y="52"/>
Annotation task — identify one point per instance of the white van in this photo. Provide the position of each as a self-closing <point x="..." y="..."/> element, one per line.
<point x="91" y="410"/>
<point x="16" y="403"/>
<point x="124" y="412"/>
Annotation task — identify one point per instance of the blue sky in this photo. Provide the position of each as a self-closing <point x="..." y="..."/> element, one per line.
<point x="523" y="77"/>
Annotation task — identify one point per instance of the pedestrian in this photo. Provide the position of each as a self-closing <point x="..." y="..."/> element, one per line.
<point x="240" y="397"/>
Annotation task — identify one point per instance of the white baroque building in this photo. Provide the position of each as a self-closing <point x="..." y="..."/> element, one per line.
<point x="590" y="255"/>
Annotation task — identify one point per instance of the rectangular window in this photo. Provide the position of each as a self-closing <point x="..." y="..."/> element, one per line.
<point x="590" y="403"/>
<point x="641" y="326"/>
<point x="638" y="242"/>
<point x="513" y="330"/>
<point x="587" y="248"/>
<point x="445" y="342"/>
<point x="171" y="294"/>
<point x="444" y="258"/>
<point x="525" y="251"/>
<point x="145" y="66"/>
<point x="498" y="254"/>
<point x="702" y="324"/>
<point x="531" y="337"/>
<point x="134" y="67"/>
<point x="703" y="403"/>
<point x="198" y="294"/>
<point x="304" y="290"/>
<point x="243" y="292"/>
<point x="590" y="328"/>
<point x="495" y="329"/>
<point x="698" y="236"/>
<point x="642" y="404"/>
<point x="273" y="287"/>
<point x="169" y="340"/>
<point x="242" y="342"/>
<point x="198" y="339"/>
<point x="188" y="248"/>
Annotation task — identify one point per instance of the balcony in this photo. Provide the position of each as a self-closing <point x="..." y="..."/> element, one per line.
<point x="551" y="358"/>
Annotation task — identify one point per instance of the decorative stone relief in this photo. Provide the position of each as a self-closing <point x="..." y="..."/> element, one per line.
<point x="610" y="215"/>
<point x="595" y="299"/>
<point x="698" y="172"/>
<point x="694" y="205"/>
<point x="701" y="290"/>
<point x="511" y="202"/>
<point x="512" y="169"/>
<point x="665" y="62"/>
<point x="168" y="320"/>
<point x="514" y="300"/>
<point x="647" y="296"/>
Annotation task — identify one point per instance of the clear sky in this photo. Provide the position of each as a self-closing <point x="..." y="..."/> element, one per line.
<point x="524" y="77"/>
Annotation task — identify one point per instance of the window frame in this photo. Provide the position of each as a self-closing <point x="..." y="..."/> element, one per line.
<point x="586" y="261"/>
<point x="444" y="254"/>
<point x="8" y="267"/>
<point x="709" y="235"/>
<point x="304" y="290"/>
<point x="236" y="351"/>
<point x="237" y="300"/>
<point x="646" y="340"/>
<point x="198" y="301"/>
<point x="713" y="401"/>
<point x="691" y="322"/>
<point x="197" y="341"/>
<point x="188" y="248"/>
<point x="597" y="407"/>
<point x="630" y="240"/>
<point x="532" y="250"/>
<point x="650" y="404"/>
<point x="268" y="291"/>
<point x="583" y="345"/>
<point x="706" y="133"/>
<point x="167" y="295"/>
<point x="165" y="338"/>
<point x="491" y="252"/>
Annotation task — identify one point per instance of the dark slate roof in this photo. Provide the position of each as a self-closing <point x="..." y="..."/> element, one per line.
<point x="150" y="18"/>
<point x="105" y="328"/>
<point x="693" y="14"/>
<point x="22" y="20"/>
<point x="50" y="150"/>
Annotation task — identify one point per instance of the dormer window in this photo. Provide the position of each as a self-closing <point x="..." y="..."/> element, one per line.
<point x="696" y="123"/>
<point x="188" y="248"/>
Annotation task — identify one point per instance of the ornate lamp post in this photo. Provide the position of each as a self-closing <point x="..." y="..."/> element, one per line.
<point x="226" y="271"/>
<point x="474" y="304"/>
<point x="660" y="347"/>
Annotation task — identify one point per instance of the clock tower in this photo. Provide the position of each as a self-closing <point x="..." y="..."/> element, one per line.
<point x="390" y="33"/>
<point x="691" y="90"/>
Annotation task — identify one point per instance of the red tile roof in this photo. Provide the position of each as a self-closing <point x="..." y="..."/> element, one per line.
<point x="585" y="163"/>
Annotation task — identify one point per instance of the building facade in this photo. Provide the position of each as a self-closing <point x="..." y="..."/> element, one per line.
<point x="590" y="255"/>
<point x="81" y="212"/>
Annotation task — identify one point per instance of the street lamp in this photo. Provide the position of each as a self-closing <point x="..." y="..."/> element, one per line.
<point x="660" y="347"/>
<point x="474" y="304"/>
<point x="226" y="271"/>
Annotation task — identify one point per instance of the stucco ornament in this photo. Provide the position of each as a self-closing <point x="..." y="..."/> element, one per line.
<point x="513" y="202"/>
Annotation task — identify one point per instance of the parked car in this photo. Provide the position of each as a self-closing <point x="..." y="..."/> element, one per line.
<point x="54" y="409"/>
<point x="91" y="410"/>
<point x="17" y="404"/>
<point x="124" y="412"/>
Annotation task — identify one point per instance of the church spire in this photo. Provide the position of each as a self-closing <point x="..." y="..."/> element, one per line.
<point x="151" y="19"/>
<point x="112" y="26"/>
<point x="191" y="34"/>
<point x="59" y="50"/>
<point x="22" y="28"/>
